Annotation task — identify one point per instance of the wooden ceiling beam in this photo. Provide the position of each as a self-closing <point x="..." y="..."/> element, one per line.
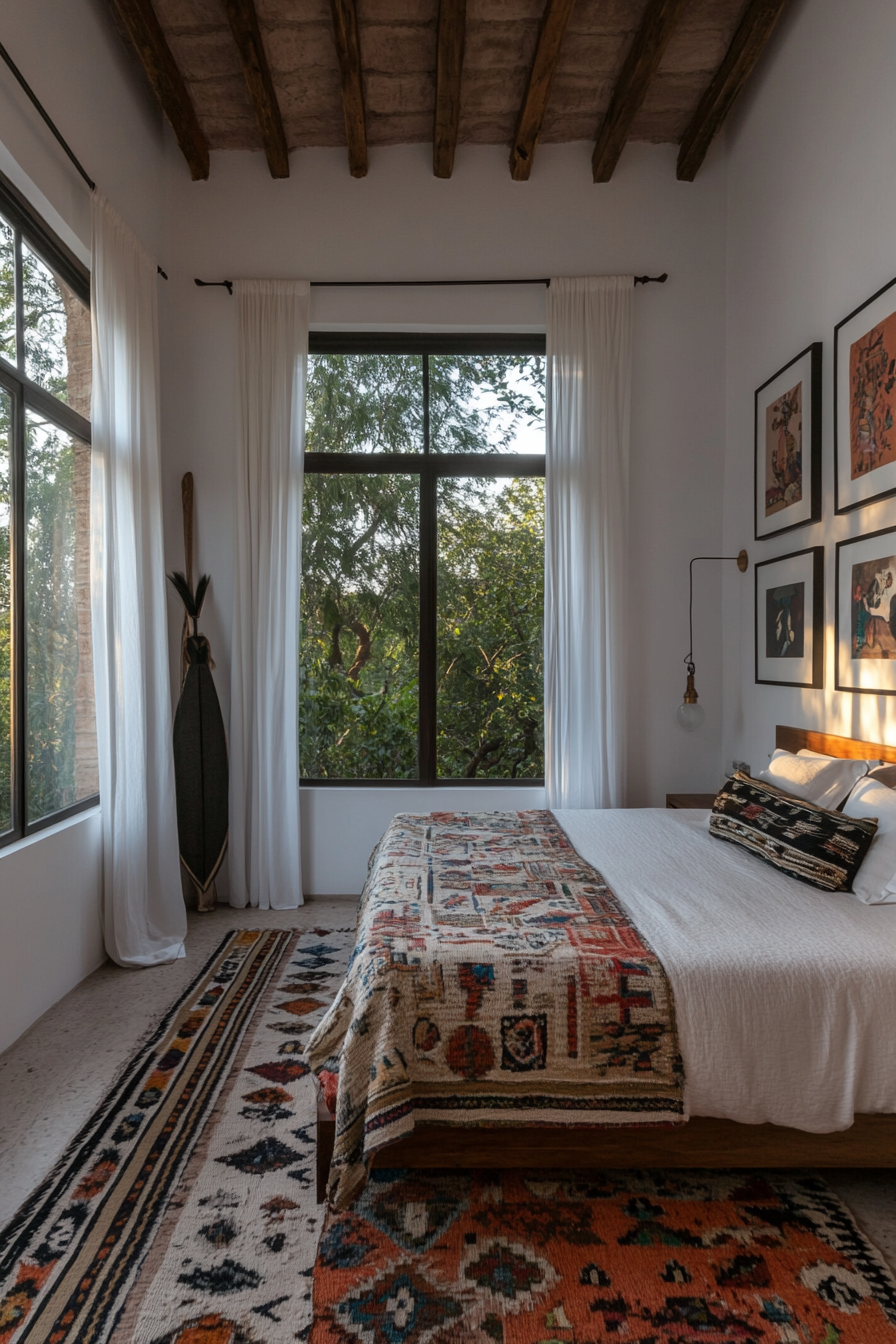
<point x="641" y="64"/>
<point x="538" y="89"/>
<point x="449" y="68"/>
<point x="145" y="32"/>
<point x="348" y="52"/>
<point x="747" y="45"/>
<point x="247" y="35"/>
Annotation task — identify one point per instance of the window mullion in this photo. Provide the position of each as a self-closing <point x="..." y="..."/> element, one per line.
<point x="428" y="598"/>
<point x="18" y="660"/>
<point x="426" y="688"/>
<point x="20" y="304"/>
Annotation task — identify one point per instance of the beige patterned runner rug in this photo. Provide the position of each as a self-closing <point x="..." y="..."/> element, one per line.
<point x="185" y="1211"/>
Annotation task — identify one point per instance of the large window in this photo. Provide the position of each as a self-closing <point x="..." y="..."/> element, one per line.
<point x="48" y="763"/>
<point x="423" y="559"/>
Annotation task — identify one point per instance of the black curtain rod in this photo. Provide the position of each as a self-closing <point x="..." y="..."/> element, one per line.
<point x="419" y="284"/>
<point x="316" y="284"/>
<point x="46" y="116"/>
<point x="54" y="129"/>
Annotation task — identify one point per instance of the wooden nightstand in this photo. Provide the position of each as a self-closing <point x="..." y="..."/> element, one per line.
<point x="704" y="800"/>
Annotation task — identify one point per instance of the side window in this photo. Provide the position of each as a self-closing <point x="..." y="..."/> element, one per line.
<point x="48" y="761"/>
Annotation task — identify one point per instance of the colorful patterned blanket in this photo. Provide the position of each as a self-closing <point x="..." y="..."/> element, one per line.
<point x="496" y="980"/>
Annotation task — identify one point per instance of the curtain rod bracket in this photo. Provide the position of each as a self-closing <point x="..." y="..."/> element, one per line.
<point x="651" y="279"/>
<point x="162" y="273"/>
<point x="212" y="284"/>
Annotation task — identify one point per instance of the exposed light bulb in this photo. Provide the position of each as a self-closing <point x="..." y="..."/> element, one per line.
<point x="690" y="714"/>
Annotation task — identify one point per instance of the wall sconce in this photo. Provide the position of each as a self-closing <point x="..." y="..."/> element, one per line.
<point x="690" y="714"/>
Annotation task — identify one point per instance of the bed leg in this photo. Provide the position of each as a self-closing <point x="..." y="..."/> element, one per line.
<point x="326" y="1139"/>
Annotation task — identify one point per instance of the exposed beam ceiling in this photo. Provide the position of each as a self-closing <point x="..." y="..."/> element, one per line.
<point x="348" y="52"/>
<point x="247" y="35"/>
<point x="145" y="32"/>
<point x="449" y="68"/>
<point x="281" y="75"/>
<point x="755" y="29"/>
<point x="641" y="64"/>
<point x="538" y="89"/>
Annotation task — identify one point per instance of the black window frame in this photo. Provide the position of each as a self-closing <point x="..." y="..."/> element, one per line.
<point x="28" y="226"/>
<point x="430" y="467"/>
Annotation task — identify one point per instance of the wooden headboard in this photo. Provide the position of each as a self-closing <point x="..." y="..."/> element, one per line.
<point x="849" y="748"/>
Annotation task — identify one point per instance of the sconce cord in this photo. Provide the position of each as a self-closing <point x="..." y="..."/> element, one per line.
<point x="689" y="658"/>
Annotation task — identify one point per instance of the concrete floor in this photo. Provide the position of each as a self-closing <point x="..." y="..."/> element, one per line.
<point x="55" y="1075"/>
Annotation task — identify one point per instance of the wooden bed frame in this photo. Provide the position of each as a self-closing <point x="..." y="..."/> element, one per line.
<point x="702" y="1142"/>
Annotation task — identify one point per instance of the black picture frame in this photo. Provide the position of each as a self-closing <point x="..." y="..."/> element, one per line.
<point x="805" y="568"/>
<point x="877" y="674"/>
<point x="851" y="492"/>
<point x="807" y="367"/>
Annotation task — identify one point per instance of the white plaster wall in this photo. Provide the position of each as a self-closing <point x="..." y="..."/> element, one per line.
<point x="811" y="209"/>
<point x="402" y="223"/>
<point x="69" y="51"/>
<point x="72" y="56"/>
<point x="341" y="826"/>
<point x="50" y="934"/>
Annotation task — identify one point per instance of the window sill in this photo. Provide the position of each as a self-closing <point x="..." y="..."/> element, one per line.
<point x="16" y="846"/>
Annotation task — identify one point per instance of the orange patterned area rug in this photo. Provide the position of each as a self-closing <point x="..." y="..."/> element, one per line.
<point x="626" y="1257"/>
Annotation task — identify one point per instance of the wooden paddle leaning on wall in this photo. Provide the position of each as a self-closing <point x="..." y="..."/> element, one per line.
<point x="200" y="746"/>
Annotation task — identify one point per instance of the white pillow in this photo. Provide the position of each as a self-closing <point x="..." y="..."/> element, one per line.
<point x="823" y="780"/>
<point x="875" y="882"/>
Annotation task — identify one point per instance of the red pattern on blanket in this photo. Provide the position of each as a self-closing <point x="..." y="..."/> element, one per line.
<point x="496" y="979"/>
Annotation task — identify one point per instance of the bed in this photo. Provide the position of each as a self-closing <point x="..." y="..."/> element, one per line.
<point x="783" y="1009"/>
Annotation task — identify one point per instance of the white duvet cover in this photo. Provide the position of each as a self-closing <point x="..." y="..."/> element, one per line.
<point x="785" y="996"/>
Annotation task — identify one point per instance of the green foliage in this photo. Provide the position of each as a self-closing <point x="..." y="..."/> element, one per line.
<point x="360" y="547"/>
<point x="8" y="351"/>
<point x="51" y="619"/>
<point x="491" y="602"/>
<point x="364" y="404"/>
<point x="5" y="621"/>
<point x="46" y="360"/>
<point x="7" y="293"/>
<point x="51" y="633"/>
<point x="358" y="704"/>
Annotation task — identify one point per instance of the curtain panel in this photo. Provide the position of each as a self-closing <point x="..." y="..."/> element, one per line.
<point x="588" y="419"/>
<point x="144" y="918"/>
<point x="265" y="855"/>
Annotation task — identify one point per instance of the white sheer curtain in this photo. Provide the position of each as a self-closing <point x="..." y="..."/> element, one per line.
<point x="589" y="360"/>
<point x="144" y="918"/>
<point x="265" y="851"/>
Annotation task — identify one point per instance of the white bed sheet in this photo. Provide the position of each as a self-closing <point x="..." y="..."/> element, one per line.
<point x="785" y="996"/>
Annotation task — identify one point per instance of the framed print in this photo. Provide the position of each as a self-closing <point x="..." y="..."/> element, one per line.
<point x="866" y="613"/>
<point x="787" y="446"/>
<point x="865" y="403"/>
<point x="790" y="619"/>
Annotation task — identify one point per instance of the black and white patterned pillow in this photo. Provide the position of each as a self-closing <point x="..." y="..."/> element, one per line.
<point x="808" y="842"/>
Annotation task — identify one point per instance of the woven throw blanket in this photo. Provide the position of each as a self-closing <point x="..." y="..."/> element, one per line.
<point x="496" y="980"/>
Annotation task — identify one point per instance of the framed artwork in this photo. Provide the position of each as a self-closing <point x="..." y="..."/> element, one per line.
<point x="790" y="619"/>
<point x="866" y="613"/>
<point x="787" y="446"/>
<point x="865" y="403"/>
